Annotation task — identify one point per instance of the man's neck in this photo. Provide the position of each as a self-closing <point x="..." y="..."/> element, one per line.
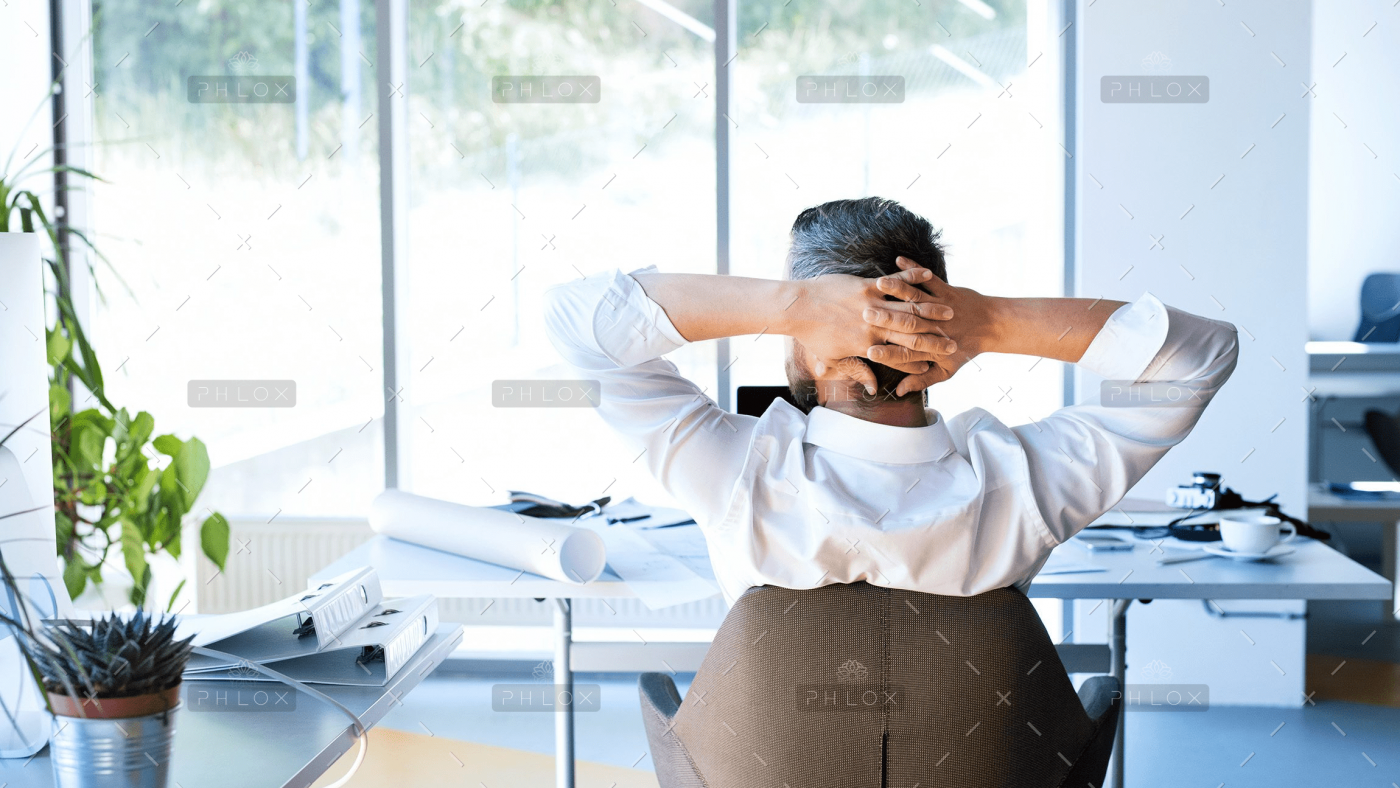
<point x="907" y="412"/>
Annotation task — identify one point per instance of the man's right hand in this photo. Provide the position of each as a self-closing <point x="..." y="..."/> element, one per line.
<point x="972" y="327"/>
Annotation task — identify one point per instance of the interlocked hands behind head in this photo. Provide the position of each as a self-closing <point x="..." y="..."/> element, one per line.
<point x="911" y="322"/>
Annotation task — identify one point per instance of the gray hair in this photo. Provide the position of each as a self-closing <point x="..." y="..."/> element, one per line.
<point x="862" y="238"/>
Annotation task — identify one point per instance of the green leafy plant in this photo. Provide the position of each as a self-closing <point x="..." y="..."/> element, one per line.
<point x="109" y="488"/>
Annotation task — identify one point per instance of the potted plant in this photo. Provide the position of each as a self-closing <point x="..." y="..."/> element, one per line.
<point x="113" y="687"/>
<point x="110" y="492"/>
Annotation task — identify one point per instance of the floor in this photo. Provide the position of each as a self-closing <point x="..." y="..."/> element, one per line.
<point x="401" y="759"/>
<point x="1332" y="743"/>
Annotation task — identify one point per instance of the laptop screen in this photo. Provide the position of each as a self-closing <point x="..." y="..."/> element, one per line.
<point x="754" y="400"/>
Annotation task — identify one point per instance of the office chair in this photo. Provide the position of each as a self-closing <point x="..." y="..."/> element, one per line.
<point x="1380" y="309"/>
<point x="1384" y="429"/>
<point x="858" y="686"/>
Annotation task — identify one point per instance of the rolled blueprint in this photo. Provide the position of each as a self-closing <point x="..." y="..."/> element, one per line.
<point x="554" y="550"/>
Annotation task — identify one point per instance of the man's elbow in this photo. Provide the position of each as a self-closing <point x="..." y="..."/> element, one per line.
<point x="562" y="310"/>
<point x="1225" y="345"/>
<point x="1230" y="352"/>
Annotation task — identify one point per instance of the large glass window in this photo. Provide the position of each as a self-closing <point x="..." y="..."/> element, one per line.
<point x="246" y="236"/>
<point x="974" y="146"/>
<point x="511" y="198"/>
<point x="244" y="239"/>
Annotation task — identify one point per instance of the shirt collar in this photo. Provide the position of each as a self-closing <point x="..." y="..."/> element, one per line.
<point x="867" y="440"/>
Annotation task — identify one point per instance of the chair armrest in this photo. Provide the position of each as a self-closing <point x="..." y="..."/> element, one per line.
<point x="660" y="702"/>
<point x="659" y="693"/>
<point x="1097" y="694"/>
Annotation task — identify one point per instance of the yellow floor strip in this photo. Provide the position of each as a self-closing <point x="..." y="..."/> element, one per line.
<point x="398" y="759"/>
<point x="1354" y="680"/>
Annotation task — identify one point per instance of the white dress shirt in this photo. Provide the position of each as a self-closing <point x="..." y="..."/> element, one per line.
<point x="959" y="507"/>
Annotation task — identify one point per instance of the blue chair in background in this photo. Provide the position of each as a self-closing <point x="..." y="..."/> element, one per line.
<point x="1380" y="309"/>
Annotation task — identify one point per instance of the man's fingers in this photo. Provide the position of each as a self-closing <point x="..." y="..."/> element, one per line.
<point x="904" y="348"/>
<point x="932" y="284"/>
<point x="932" y="310"/>
<point x="910" y="367"/>
<point x="921" y="382"/>
<point x="899" y="357"/>
<point x="890" y="285"/>
<point x="903" y="321"/>
<point x="856" y="369"/>
<point x="896" y="355"/>
<point x="914" y="275"/>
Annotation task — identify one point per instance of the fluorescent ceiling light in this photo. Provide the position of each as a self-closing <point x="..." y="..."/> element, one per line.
<point x="982" y="9"/>
<point x="967" y="69"/>
<point x="686" y="20"/>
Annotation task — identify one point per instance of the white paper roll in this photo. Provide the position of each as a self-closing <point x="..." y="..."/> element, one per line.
<point x="552" y="549"/>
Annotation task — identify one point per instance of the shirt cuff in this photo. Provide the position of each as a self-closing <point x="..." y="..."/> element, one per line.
<point x="1129" y="341"/>
<point x="631" y="328"/>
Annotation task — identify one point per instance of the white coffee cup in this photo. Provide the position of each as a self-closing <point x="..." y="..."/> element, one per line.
<point x="1249" y="532"/>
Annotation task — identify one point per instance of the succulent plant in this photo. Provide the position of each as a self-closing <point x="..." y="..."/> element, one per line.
<point x="114" y="657"/>
<point x="110" y="657"/>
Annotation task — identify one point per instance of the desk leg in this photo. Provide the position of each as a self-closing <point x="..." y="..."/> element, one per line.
<point x="564" y="683"/>
<point x="1118" y="651"/>
<point x="1388" y="562"/>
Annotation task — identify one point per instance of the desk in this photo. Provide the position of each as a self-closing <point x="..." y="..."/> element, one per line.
<point x="1313" y="571"/>
<point x="271" y="750"/>
<point x="405" y="570"/>
<point x="1323" y="505"/>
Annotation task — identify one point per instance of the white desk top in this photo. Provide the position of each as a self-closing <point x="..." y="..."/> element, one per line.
<point x="1314" y="571"/>
<point x="1323" y="504"/>
<point x="284" y="750"/>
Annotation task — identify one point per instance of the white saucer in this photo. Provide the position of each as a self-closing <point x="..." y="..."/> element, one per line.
<point x="1221" y="550"/>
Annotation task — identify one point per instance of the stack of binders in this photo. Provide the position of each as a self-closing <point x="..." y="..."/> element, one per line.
<point x="339" y="632"/>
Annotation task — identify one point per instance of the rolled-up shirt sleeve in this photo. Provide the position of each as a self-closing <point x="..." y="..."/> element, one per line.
<point x="607" y="328"/>
<point x="1161" y="368"/>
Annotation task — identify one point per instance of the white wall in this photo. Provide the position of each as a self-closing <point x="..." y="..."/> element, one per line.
<point x="1238" y="255"/>
<point x="1355" y="195"/>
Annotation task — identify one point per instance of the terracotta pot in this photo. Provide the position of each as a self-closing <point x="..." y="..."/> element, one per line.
<point x="115" y="708"/>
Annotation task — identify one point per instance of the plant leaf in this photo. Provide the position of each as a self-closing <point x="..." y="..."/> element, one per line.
<point x="174" y="594"/>
<point x="140" y="496"/>
<point x="213" y="539"/>
<point x="140" y="429"/>
<point x="134" y="551"/>
<point x="168" y="445"/>
<point x="192" y="470"/>
<point x="63" y="530"/>
<point x="87" y="447"/>
<point x="59" y="402"/>
<point x="171" y="501"/>
<point x="58" y="346"/>
<point x="75" y="576"/>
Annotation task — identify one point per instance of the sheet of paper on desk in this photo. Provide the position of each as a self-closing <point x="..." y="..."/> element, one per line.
<point x="658" y="579"/>
<point x="1065" y="565"/>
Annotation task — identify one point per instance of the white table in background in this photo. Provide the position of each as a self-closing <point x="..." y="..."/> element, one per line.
<point x="1313" y="571"/>
<point x="1326" y="506"/>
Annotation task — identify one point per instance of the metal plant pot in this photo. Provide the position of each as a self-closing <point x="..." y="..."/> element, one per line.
<point x="103" y="750"/>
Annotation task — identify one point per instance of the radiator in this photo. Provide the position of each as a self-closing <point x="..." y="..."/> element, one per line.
<point x="271" y="561"/>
